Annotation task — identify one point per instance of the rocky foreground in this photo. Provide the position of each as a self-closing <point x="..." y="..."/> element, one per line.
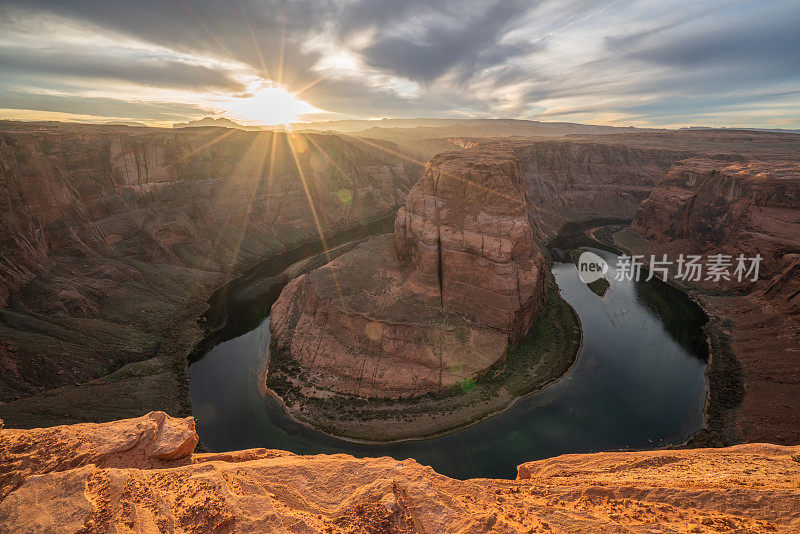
<point x="140" y="475"/>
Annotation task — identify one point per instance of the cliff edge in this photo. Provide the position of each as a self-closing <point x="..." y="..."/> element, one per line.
<point x="108" y="477"/>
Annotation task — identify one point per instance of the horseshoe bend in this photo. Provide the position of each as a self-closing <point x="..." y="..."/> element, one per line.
<point x="258" y="321"/>
<point x="442" y="304"/>
<point x="426" y="309"/>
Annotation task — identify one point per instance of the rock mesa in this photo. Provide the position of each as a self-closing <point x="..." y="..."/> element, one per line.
<point x="435" y="303"/>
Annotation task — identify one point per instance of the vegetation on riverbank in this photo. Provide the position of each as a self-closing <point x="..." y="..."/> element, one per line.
<point x="724" y="374"/>
<point x="544" y="355"/>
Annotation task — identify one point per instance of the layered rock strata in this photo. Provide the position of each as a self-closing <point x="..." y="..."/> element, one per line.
<point x="434" y="304"/>
<point x="741" y="205"/>
<point x="113" y="485"/>
<point x="112" y="237"/>
<point x="577" y="180"/>
<point x="732" y="206"/>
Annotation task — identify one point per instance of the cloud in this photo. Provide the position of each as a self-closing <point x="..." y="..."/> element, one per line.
<point x="146" y="71"/>
<point x="101" y="107"/>
<point x="769" y="37"/>
<point x="468" y="41"/>
<point x="647" y="62"/>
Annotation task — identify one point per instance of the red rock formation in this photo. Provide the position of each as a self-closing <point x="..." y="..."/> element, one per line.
<point x="112" y="486"/>
<point x="440" y="302"/>
<point x="112" y="237"/>
<point x="741" y="205"/>
<point x="465" y="237"/>
<point x="107" y="190"/>
<point x="351" y="329"/>
<point x="733" y="207"/>
<point x="568" y="181"/>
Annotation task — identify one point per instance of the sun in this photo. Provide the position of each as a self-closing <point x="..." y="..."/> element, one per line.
<point x="268" y="105"/>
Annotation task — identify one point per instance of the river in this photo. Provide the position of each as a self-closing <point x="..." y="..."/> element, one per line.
<point x="638" y="382"/>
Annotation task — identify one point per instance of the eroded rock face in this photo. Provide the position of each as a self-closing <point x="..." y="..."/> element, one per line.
<point x="112" y="237"/>
<point x="569" y="181"/>
<point x="420" y="311"/>
<point x="742" y="205"/>
<point x="148" y="441"/>
<point x="351" y="328"/>
<point x="732" y="205"/>
<point x="112" y="487"/>
<point x="465" y="236"/>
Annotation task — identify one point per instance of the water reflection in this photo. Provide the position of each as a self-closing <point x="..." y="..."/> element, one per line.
<point x="638" y="382"/>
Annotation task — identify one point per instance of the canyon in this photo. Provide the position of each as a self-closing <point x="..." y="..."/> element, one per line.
<point x="113" y="238"/>
<point x="740" y="205"/>
<point x="439" y="304"/>
<point x="140" y="475"/>
<point x="340" y="327"/>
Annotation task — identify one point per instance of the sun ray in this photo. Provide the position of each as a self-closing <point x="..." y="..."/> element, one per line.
<point x="447" y="174"/>
<point x="307" y="86"/>
<point x="271" y="175"/>
<point x="205" y="28"/>
<point x="337" y="167"/>
<point x="325" y="154"/>
<point x="213" y="142"/>
<point x="309" y="197"/>
<point x="255" y="42"/>
<point x="250" y="167"/>
<point x="280" y="55"/>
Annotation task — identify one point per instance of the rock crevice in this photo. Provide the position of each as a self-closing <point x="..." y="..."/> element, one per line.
<point x="435" y="303"/>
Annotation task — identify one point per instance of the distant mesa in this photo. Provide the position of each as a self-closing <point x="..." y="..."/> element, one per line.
<point x="218" y="122"/>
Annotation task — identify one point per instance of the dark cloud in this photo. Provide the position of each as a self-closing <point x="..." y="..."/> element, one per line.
<point x="101" y="107"/>
<point x="771" y="38"/>
<point x="475" y="57"/>
<point x="471" y="43"/>
<point x="138" y="70"/>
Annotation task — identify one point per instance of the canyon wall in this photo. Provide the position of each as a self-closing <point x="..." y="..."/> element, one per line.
<point x="112" y="237"/>
<point x="731" y="205"/>
<point x="140" y="475"/>
<point x="734" y="205"/>
<point x="577" y="180"/>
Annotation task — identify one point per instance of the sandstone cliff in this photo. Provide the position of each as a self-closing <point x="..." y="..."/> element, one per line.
<point x="466" y="240"/>
<point x="101" y="478"/>
<point x="568" y="181"/>
<point x="112" y="237"/>
<point x="435" y="304"/>
<point x="732" y="205"/>
<point x="741" y="205"/>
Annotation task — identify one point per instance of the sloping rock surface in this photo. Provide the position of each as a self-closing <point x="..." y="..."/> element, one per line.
<point x="747" y="488"/>
<point x="440" y="302"/>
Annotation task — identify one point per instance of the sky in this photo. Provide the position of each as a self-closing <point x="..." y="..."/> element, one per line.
<point x="640" y="63"/>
